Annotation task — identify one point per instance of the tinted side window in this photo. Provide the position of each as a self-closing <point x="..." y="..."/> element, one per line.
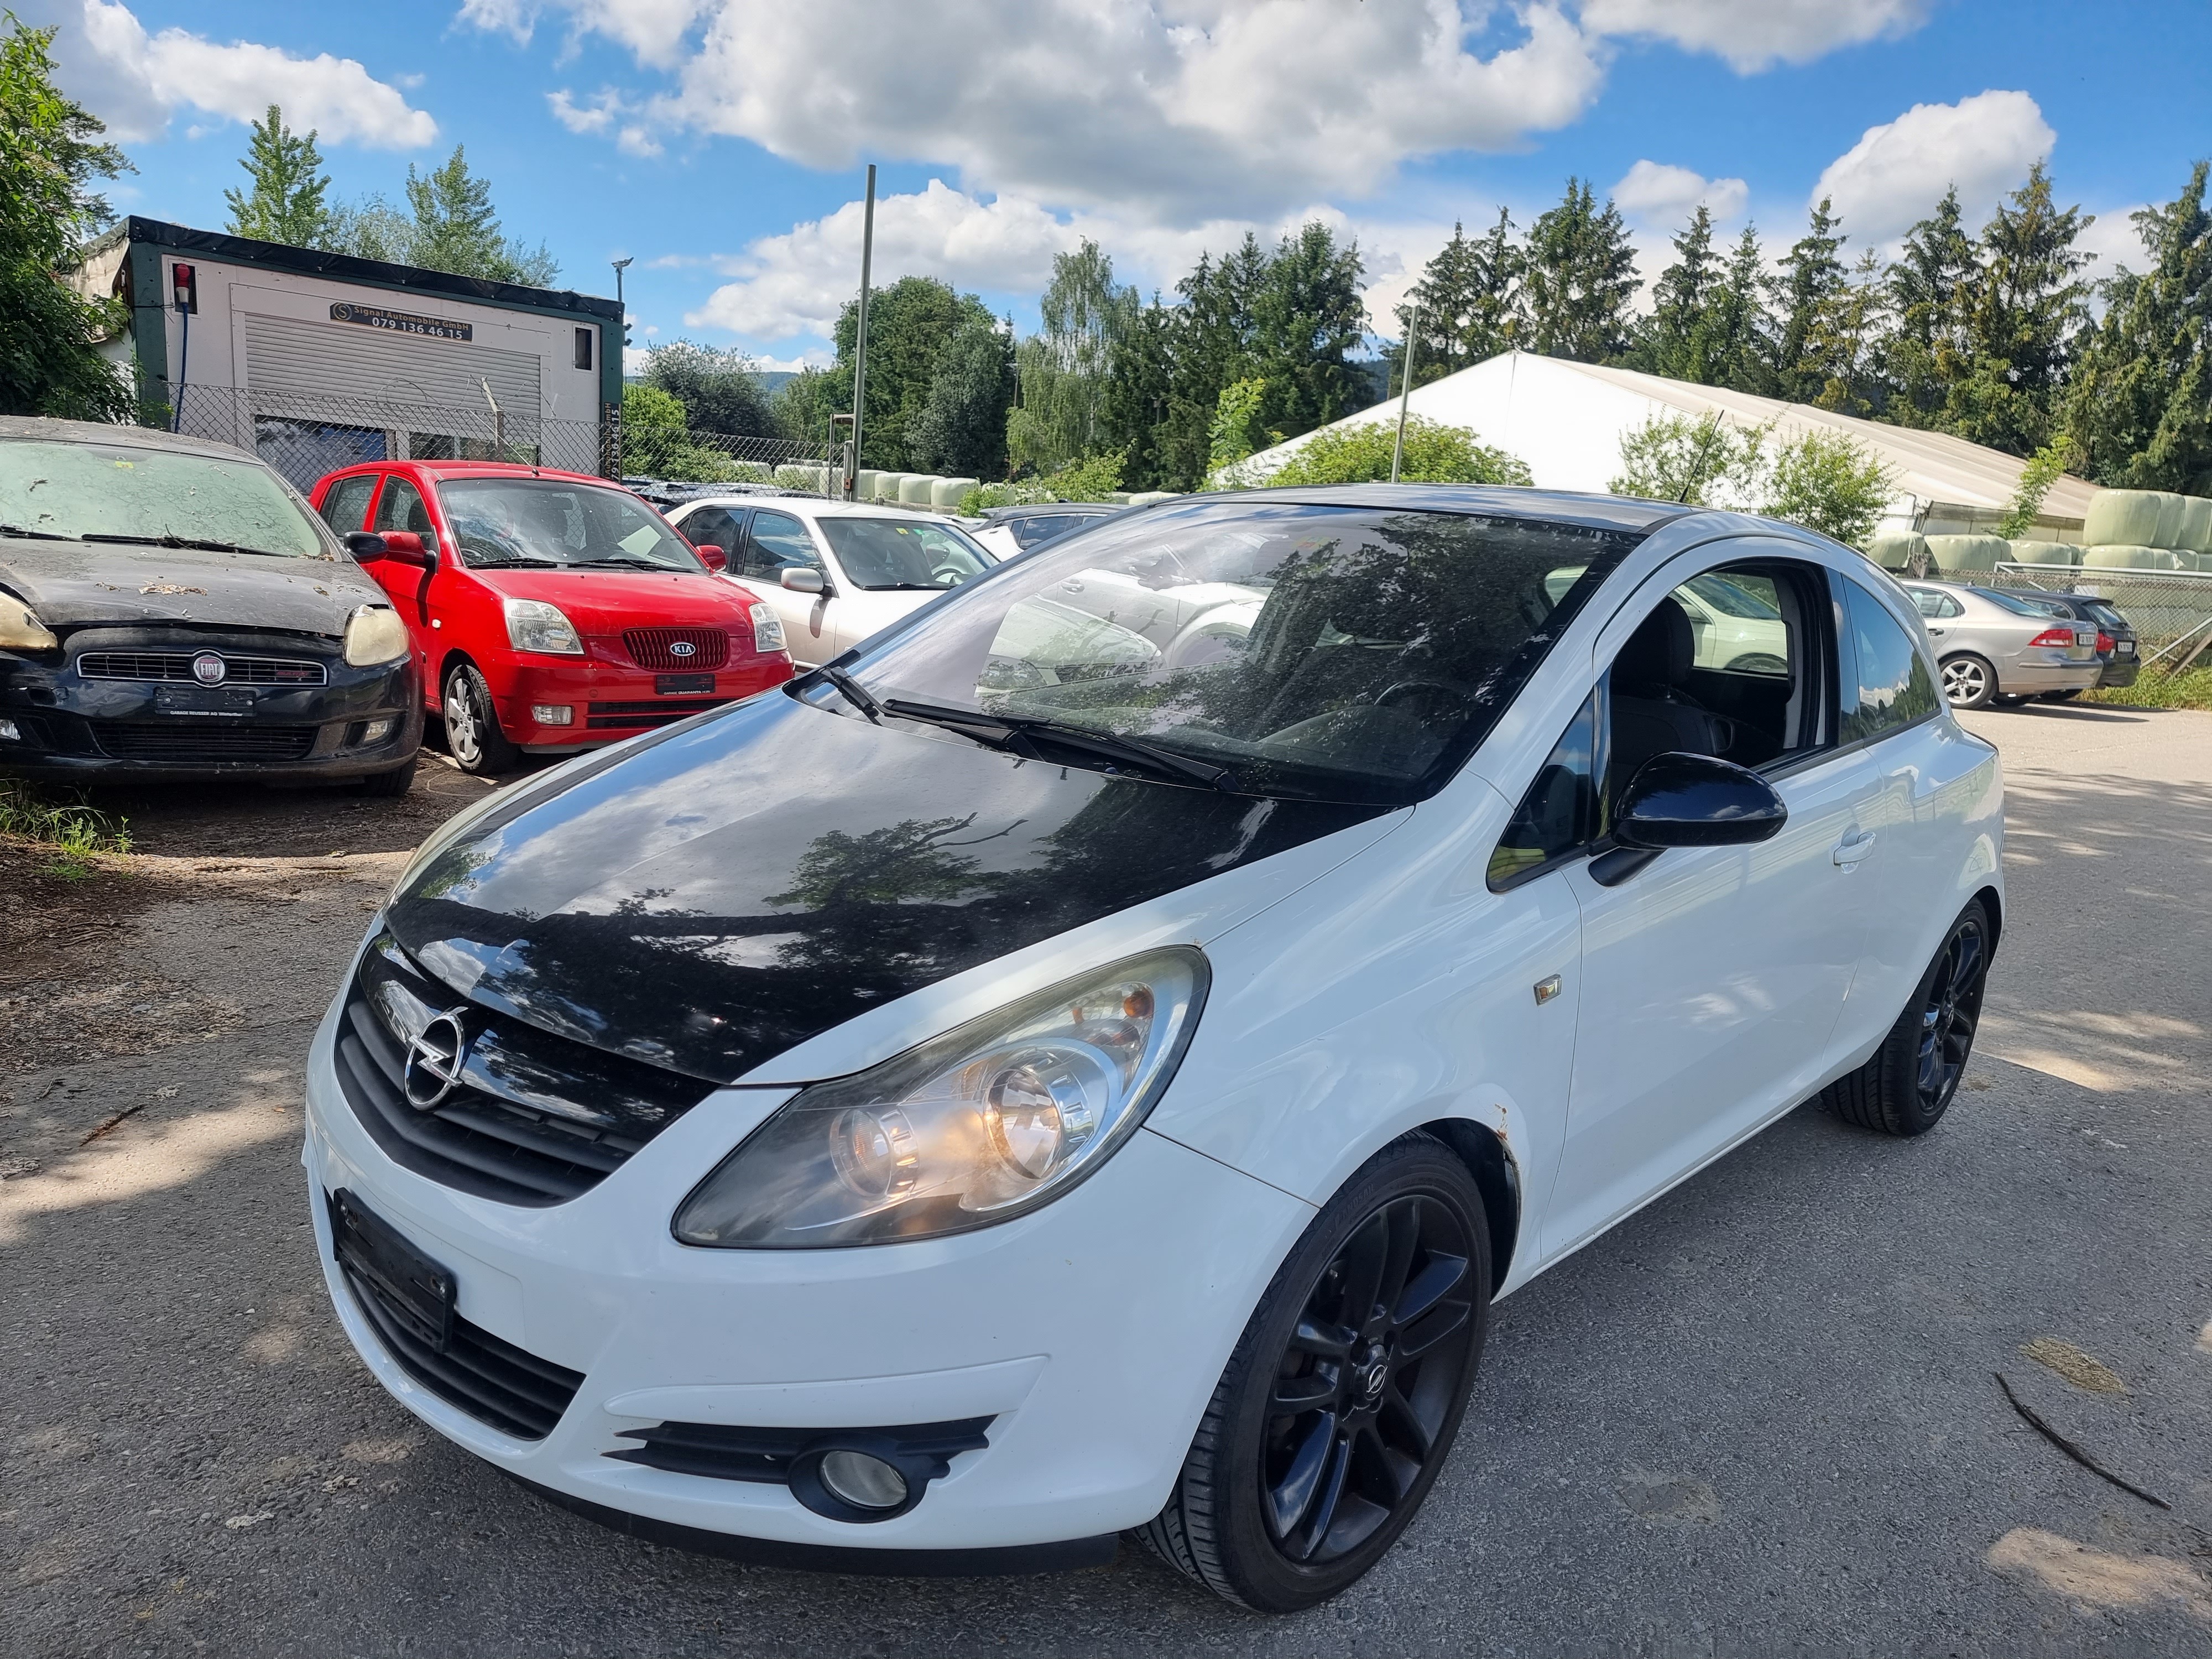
<point x="1559" y="815"/>
<point x="711" y="526"/>
<point x="401" y="507"/>
<point x="1893" y="689"/>
<point x="346" y="507"/>
<point x="778" y="543"/>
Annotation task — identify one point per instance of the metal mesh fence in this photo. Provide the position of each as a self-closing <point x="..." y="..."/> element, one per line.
<point x="676" y="454"/>
<point x="2170" y="609"/>
<point x="304" y="435"/>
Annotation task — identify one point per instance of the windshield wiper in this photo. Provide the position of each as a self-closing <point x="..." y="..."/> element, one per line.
<point x="38" y="535"/>
<point x="626" y="564"/>
<point x="1008" y="730"/>
<point x="197" y="544"/>
<point x="852" y="691"/>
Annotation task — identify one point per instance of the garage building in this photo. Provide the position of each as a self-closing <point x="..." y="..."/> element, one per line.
<point x="316" y="360"/>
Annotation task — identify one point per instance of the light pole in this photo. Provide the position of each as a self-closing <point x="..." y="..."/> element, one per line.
<point x="621" y="266"/>
<point x="861" y="336"/>
<point x="1404" y="391"/>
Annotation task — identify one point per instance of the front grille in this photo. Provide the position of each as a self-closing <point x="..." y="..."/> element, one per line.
<point x="492" y="1380"/>
<point x="178" y="665"/>
<point x="534" y="1119"/>
<point x="652" y="648"/>
<point x="723" y="1453"/>
<point x="661" y="711"/>
<point x="187" y="742"/>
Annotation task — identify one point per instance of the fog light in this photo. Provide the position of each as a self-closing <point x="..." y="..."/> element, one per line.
<point x="865" y="1482"/>
<point x="552" y="713"/>
<point x="8" y="733"/>
<point x="378" y="731"/>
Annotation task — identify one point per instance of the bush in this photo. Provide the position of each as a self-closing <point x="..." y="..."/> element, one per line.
<point x="1093" y="478"/>
<point x="1702" y="463"/>
<point x="1435" y="454"/>
<point x="657" y="440"/>
<point x="1822" y="480"/>
<point x="1828" y="483"/>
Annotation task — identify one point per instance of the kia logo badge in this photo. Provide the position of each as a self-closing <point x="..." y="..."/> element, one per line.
<point x="434" y="1060"/>
<point x="209" y="669"/>
<point x="681" y="648"/>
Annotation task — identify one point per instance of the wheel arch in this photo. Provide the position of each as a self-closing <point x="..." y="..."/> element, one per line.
<point x="1993" y="901"/>
<point x="1497" y="1177"/>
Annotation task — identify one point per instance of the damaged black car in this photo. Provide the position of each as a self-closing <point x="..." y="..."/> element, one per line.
<point x="171" y="609"/>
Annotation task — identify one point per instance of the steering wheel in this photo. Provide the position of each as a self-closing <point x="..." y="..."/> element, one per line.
<point x="947" y="575"/>
<point x="1389" y="693"/>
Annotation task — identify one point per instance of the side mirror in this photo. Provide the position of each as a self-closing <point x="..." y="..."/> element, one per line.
<point x="400" y="546"/>
<point x="715" y="557"/>
<point x="803" y="579"/>
<point x="1696" y="801"/>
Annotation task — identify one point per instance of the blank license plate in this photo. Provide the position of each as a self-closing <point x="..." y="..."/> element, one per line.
<point x="413" y="1289"/>
<point x="220" y="701"/>
<point x="674" y="684"/>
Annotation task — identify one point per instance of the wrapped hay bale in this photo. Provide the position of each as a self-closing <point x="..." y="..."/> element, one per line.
<point x="1898" y="550"/>
<point x="864" y="483"/>
<point x="946" y="494"/>
<point x="1968" y="554"/>
<point x="2124" y="518"/>
<point x="2061" y="553"/>
<point x="2124" y="556"/>
<point x="2171" y="510"/>
<point x="888" y="485"/>
<point x="1146" y="498"/>
<point x="914" y="488"/>
<point x="2196" y="525"/>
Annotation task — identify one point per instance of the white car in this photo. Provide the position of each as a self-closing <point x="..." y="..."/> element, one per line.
<point x="948" y="1114"/>
<point x="835" y="572"/>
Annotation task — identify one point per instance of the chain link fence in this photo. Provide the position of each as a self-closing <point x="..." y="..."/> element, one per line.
<point x="2170" y="609"/>
<point x="679" y="455"/>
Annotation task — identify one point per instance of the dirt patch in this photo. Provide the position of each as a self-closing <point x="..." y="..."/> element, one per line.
<point x="68" y="1022"/>
<point x="2083" y="1370"/>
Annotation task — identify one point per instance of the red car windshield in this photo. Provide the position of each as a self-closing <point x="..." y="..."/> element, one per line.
<point x="502" y="524"/>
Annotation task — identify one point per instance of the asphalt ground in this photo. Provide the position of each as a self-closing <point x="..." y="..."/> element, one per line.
<point x="1762" y="1417"/>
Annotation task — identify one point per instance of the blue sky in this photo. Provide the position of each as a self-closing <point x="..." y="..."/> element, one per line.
<point x="718" y="142"/>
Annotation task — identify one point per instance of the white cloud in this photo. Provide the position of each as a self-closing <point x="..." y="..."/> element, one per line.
<point x="1668" y="195"/>
<point x="607" y="111"/>
<point x="134" y="82"/>
<point x="1173" y="110"/>
<point x="1751" y="35"/>
<point x="1984" y="145"/>
<point x="2115" y="242"/>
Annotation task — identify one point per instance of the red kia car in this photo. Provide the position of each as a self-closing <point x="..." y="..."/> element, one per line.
<point x="549" y="611"/>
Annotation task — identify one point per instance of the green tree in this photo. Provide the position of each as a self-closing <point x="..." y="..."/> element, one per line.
<point x="910" y="323"/>
<point x="449" y="224"/>
<point x="1066" y="367"/>
<point x="657" y="439"/>
<point x="805" y="403"/>
<point x="720" y="391"/>
<point x="1829" y="484"/>
<point x="1237" y="431"/>
<point x="1810" y="291"/>
<point x="1469" y="304"/>
<point x="1136" y="410"/>
<point x="1930" y="288"/>
<point x="1677" y="340"/>
<point x="1580" y="280"/>
<point x="961" y="428"/>
<point x="1434" y="453"/>
<point x="2044" y="469"/>
<point x="1737" y="324"/>
<point x="1707" y="462"/>
<point x="1308" y="318"/>
<point x="51" y="157"/>
<point x="2028" y="307"/>
<point x="287" y="202"/>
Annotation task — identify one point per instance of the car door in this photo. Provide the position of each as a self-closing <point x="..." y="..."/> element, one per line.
<point x="713" y="525"/>
<point x="776" y="542"/>
<point x="1712" y="978"/>
<point x="346" y="503"/>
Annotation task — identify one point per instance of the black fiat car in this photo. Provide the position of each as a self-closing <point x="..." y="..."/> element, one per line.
<point x="171" y="609"/>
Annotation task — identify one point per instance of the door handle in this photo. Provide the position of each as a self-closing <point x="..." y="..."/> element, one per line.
<point x="1848" y="853"/>
<point x="1937" y="631"/>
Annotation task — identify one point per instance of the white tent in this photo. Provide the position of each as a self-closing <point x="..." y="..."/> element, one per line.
<point x="1566" y="420"/>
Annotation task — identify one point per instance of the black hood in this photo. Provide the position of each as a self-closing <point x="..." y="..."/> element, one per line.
<point x="78" y="584"/>
<point x="712" y="899"/>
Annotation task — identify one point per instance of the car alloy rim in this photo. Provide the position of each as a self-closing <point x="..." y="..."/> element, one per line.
<point x="1962" y="681"/>
<point x="1949" y="1018"/>
<point x="461" y="718"/>
<point x="1367" y="1380"/>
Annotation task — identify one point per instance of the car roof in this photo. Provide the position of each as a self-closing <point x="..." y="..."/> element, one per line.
<point x="1591" y="510"/>
<point x="134" y="437"/>
<point x="819" y="508"/>
<point x="1052" y="509"/>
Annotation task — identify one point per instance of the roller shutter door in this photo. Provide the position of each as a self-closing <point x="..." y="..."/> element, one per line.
<point x="305" y="368"/>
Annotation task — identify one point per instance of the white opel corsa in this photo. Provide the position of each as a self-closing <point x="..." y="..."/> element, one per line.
<point x="961" y="1108"/>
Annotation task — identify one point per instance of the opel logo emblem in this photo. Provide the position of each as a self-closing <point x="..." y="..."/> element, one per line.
<point x="209" y="669"/>
<point x="681" y="648"/>
<point x="434" y="1060"/>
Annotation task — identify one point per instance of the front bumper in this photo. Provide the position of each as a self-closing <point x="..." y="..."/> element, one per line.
<point x="608" y="704"/>
<point x="71" y="726"/>
<point x="1091" y="1333"/>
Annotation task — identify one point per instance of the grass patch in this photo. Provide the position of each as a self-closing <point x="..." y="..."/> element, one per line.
<point x="77" y="833"/>
<point x="2158" y="690"/>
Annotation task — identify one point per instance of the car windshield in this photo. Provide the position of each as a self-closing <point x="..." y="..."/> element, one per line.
<point x="2103" y="615"/>
<point x="1332" y="653"/>
<point x="551" y="521"/>
<point x="163" y="497"/>
<point x="894" y="553"/>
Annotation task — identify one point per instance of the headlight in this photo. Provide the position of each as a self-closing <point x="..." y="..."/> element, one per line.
<point x="534" y="625"/>
<point x="375" y="634"/>
<point x="767" y="628"/>
<point x="21" y="630"/>
<point x="975" y="1127"/>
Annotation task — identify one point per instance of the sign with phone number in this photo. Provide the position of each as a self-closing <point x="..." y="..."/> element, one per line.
<point x="400" y="322"/>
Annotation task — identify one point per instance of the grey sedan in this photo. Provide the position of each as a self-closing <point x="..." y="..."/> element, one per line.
<point x="2003" y="647"/>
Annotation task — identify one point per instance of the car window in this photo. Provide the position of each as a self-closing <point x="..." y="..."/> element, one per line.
<point x="1348" y="653"/>
<point x="127" y="492"/>
<point x="1561" y="814"/>
<point x="1028" y="531"/>
<point x="778" y="543"/>
<point x="511" y="523"/>
<point x="2104" y="616"/>
<point x="712" y="526"/>
<point x="401" y="507"/>
<point x="2016" y="604"/>
<point x="1892" y="687"/>
<point x="1934" y="602"/>
<point x="345" y="506"/>
<point x="896" y="553"/>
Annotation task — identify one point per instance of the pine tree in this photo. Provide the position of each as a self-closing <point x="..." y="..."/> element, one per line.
<point x="1135" y="411"/>
<point x="1675" y="340"/>
<point x="1846" y="343"/>
<point x="1737" y="327"/>
<point x="1580" y="279"/>
<point x="2139" y="408"/>
<point x="287" y="203"/>
<point x="1809" y="290"/>
<point x="1929" y="284"/>
<point x="448" y="224"/>
<point x="1308" y="318"/>
<point x="2029" y="306"/>
<point x="1469" y="302"/>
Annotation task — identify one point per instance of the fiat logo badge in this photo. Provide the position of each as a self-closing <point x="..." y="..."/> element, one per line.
<point x="435" y="1059"/>
<point x="681" y="648"/>
<point x="209" y="669"/>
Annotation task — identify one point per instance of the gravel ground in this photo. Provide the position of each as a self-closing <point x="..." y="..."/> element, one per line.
<point x="1762" y="1417"/>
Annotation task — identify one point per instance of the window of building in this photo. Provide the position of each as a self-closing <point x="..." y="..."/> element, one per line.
<point x="583" y="347"/>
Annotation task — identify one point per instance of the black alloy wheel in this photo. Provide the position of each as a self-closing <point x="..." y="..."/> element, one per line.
<point x="1911" y="1080"/>
<point x="1343" y="1399"/>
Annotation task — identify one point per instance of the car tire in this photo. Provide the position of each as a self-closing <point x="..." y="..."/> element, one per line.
<point x="389" y="785"/>
<point x="1377" y="1398"/>
<point x="473" y="737"/>
<point x="2061" y="696"/>
<point x="1968" y="682"/>
<point x="1912" y="1077"/>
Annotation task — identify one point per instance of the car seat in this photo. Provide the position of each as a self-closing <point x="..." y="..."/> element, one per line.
<point x="1653" y="712"/>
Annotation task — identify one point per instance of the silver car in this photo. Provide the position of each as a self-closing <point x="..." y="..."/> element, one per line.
<point x="2000" y="648"/>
